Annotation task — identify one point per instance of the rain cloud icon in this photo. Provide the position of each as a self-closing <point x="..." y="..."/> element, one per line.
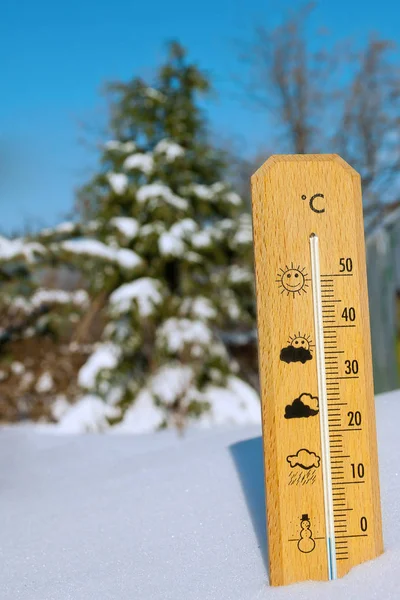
<point x="304" y="459"/>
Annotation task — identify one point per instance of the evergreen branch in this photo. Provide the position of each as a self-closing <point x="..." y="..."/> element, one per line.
<point x="14" y="332"/>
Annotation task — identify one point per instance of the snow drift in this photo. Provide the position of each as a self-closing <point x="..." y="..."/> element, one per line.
<point x="162" y="517"/>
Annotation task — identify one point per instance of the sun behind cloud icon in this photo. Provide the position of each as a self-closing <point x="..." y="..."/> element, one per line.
<point x="299" y="349"/>
<point x="293" y="280"/>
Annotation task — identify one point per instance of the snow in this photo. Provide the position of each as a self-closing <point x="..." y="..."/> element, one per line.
<point x="171" y="382"/>
<point x="169" y="245"/>
<point x="163" y="517"/>
<point x="66" y="227"/>
<point x="45" y="296"/>
<point x="210" y="192"/>
<point x="177" y="333"/>
<point x="88" y="415"/>
<point x="124" y="257"/>
<point x="142" y="417"/>
<point x="106" y="356"/>
<point x="115" y="395"/>
<point x="140" y="161"/>
<point x="120" y="146"/>
<point x="233" y="198"/>
<point x="128" y="226"/>
<point x="154" y="94"/>
<point x="118" y="182"/>
<point x="230" y="304"/>
<point x="204" y="192"/>
<point x="244" y="234"/>
<point x="183" y="228"/>
<point x="145" y="291"/>
<point x="153" y="191"/>
<point x="199" y="307"/>
<point x="59" y="406"/>
<point x="237" y="403"/>
<point x="12" y="249"/>
<point x="17" y="367"/>
<point x="239" y="274"/>
<point x="157" y="227"/>
<point x="193" y="257"/>
<point x="172" y="150"/>
<point x="202" y="239"/>
<point x="45" y="383"/>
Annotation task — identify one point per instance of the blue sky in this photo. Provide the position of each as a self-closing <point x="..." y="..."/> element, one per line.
<point x="56" y="56"/>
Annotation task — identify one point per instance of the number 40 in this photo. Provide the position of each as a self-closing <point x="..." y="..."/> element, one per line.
<point x="349" y="314"/>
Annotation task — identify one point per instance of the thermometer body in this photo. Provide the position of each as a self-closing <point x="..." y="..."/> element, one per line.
<point x="321" y="469"/>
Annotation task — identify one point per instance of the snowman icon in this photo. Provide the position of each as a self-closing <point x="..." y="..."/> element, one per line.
<point x="306" y="543"/>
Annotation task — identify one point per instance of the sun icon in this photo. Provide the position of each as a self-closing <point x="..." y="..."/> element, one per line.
<point x="293" y="280"/>
<point x="300" y="341"/>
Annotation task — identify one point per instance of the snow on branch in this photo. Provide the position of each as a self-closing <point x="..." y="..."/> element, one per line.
<point x="125" y="258"/>
<point x="20" y="248"/>
<point x="48" y="297"/>
<point x="199" y="307"/>
<point x="176" y="334"/>
<point x="117" y="146"/>
<point x="68" y="227"/>
<point x="244" y="233"/>
<point x="236" y="403"/>
<point x="140" y="161"/>
<point x="172" y="383"/>
<point x="90" y="414"/>
<point x="171" y="243"/>
<point x="154" y="94"/>
<point x="127" y="226"/>
<point x="144" y="416"/>
<point x="146" y="292"/>
<point x="118" y="182"/>
<point x="238" y="275"/>
<point x="171" y="150"/>
<point x="214" y="193"/>
<point x="160" y="191"/>
<point x="106" y="356"/>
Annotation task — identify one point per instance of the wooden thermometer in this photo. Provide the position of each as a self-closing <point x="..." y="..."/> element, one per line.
<point x="321" y="467"/>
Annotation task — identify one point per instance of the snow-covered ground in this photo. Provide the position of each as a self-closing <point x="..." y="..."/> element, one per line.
<point x="157" y="517"/>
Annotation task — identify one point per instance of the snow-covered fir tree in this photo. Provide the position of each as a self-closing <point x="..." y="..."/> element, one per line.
<point x="167" y="251"/>
<point x="38" y="312"/>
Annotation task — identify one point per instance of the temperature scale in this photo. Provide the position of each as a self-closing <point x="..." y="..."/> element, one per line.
<point x="321" y="467"/>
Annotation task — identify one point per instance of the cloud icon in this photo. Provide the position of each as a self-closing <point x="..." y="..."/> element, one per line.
<point x="291" y="354"/>
<point x="304" y="406"/>
<point x="304" y="459"/>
